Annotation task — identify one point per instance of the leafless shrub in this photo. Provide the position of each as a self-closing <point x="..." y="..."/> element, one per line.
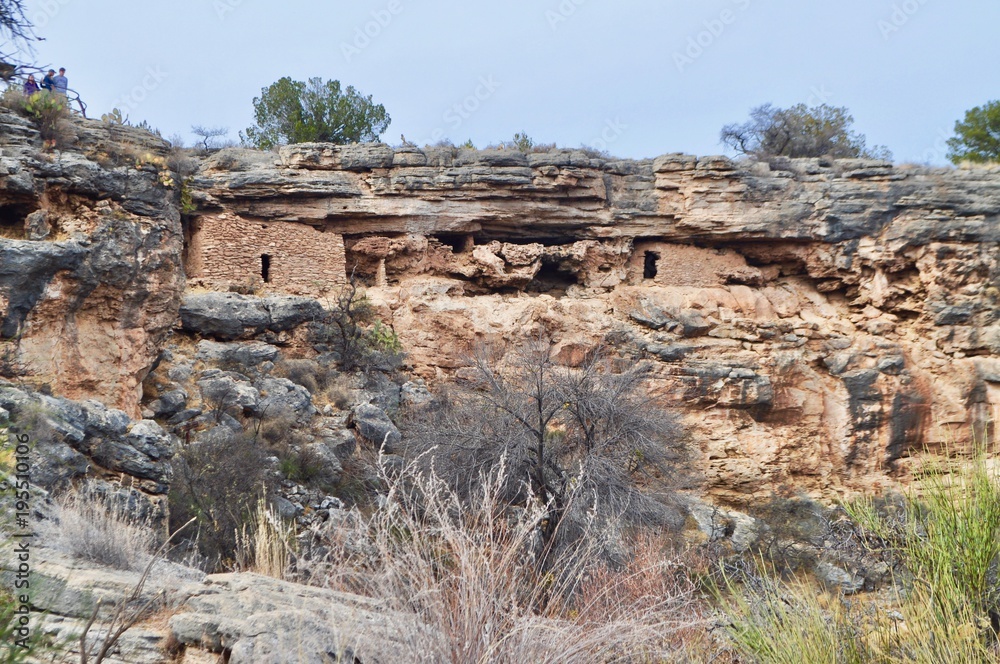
<point x="218" y="481"/>
<point x="350" y="330"/>
<point x="575" y="440"/>
<point x="467" y="570"/>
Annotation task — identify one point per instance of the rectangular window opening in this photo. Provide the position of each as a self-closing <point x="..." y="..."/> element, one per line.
<point x="649" y="265"/>
<point x="265" y="268"/>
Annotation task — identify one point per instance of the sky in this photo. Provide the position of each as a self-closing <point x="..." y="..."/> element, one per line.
<point x="637" y="78"/>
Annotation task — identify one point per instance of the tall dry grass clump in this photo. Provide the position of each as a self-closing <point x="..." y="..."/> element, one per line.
<point x="470" y="573"/>
<point x="265" y="547"/>
<point x="97" y="527"/>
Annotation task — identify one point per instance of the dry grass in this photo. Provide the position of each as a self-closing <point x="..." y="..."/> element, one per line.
<point x="265" y="546"/>
<point x="469" y="571"/>
<point x="95" y="527"/>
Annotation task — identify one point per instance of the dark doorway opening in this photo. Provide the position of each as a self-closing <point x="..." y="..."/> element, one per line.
<point x="649" y="265"/>
<point x="265" y="268"/>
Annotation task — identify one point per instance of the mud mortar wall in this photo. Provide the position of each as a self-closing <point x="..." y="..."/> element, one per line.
<point x="226" y="250"/>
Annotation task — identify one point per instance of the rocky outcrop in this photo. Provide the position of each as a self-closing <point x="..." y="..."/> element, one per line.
<point x="90" y="257"/>
<point x="229" y="316"/>
<point x="245" y="618"/>
<point x="818" y="321"/>
<point x="73" y="441"/>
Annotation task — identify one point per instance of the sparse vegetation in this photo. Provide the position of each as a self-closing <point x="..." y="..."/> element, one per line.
<point x="943" y="606"/>
<point x="465" y="566"/>
<point x="211" y="137"/>
<point x="48" y="110"/>
<point x="350" y="330"/>
<point x="799" y="131"/>
<point x="977" y="136"/>
<point x="291" y="111"/>
<point x="575" y="441"/>
<point x="95" y="527"/>
<point x="218" y="481"/>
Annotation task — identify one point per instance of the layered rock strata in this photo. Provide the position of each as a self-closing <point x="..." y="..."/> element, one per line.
<point x="90" y="257"/>
<point x="817" y="321"/>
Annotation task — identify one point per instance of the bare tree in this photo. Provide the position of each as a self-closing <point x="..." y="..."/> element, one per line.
<point x="16" y="30"/>
<point x="209" y="135"/>
<point x="576" y="440"/>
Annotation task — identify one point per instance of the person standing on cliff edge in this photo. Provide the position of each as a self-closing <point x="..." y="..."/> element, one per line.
<point x="47" y="81"/>
<point x="60" y="84"/>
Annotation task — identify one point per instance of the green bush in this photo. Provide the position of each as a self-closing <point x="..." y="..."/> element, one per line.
<point x="977" y="137"/>
<point x="50" y="112"/>
<point x="946" y="601"/>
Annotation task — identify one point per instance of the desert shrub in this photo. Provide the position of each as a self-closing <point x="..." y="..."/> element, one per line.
<point x="310" y="374"/>
<point x="577" y="441"/>
<point x="465" y="566"/>
<point x="96" y="527"/>
<point x="595" y="153"/>
<point x="782" y="624"/>
<point x="348" y="328"/>
<point x="13" y="99"/>
<point x="946" y="539"/>
<point x="274" y="432"/>
<point x="51" y="113"/>
<point x="218" y="481"/>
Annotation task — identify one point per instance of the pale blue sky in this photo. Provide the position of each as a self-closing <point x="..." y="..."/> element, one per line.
<point x="639" y="77"/>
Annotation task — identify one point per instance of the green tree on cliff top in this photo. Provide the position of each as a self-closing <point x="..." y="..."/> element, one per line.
<point x="314" y="111"/>
<point x="977" y="137"/>
<point x="800" y="131"/>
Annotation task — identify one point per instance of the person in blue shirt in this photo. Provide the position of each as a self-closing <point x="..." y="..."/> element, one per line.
<point x="60" y="84"/>
<point x="47" y="81"/>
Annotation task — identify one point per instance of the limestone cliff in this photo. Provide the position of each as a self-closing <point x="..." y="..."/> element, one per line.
<point x="90" y="257"/>
<point x="816" y="320"/>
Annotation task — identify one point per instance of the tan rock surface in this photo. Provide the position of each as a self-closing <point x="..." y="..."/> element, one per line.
<point x="817" y="321"/>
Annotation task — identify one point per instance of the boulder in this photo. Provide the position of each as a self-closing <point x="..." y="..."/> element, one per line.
<point x="376" y="427"/>
<point x="230" y="316"/>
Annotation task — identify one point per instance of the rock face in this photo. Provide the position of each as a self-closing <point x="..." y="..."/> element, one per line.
<point x="72" y="441"/>
<point x="819" y="321"/>
<point x="90" y="257"/>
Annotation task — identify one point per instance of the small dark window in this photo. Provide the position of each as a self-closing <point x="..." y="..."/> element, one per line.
<point x="649" y="265"/>
<point x="265" y="268"/>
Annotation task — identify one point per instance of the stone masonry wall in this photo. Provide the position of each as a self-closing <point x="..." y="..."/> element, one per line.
<point x="292" y="258"/>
